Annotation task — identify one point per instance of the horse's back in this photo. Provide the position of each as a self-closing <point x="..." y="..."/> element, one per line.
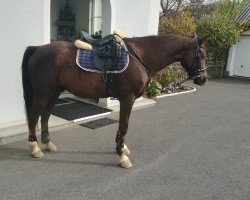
<point x="53" y="51"/>
<point x="51" y="57"/>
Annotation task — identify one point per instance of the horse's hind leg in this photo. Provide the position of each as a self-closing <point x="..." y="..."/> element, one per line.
<point x="33" y="115"/>
<point x="45" y="138"/>
<point x="122" y="150"/>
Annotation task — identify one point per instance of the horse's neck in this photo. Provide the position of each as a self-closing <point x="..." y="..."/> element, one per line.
<point x="157" y="52"/>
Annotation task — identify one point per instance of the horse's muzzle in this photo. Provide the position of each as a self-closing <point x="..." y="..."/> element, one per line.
<point x="200" y="80"/>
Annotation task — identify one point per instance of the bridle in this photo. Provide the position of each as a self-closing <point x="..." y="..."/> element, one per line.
<point x="197" y="61"/>
<point x="199" y="69"/>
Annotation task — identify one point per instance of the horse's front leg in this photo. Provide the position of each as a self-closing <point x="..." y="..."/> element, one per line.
<point x="121" y="149"/>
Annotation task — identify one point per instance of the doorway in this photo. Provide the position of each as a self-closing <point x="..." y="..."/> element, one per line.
<point x="81" y="11"/>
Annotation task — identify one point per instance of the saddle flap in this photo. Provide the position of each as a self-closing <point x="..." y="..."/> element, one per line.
<point x="106" y="56"/>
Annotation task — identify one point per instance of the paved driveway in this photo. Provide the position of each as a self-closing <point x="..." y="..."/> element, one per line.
<point x="192" y="146"/>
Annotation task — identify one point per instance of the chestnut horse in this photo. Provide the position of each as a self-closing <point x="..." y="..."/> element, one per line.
<point x="50" y="69"/>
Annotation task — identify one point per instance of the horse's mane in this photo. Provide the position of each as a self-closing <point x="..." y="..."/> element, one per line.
<point x="159" y="40"/>
<point x="157" y="37"/>
<point x="160" y="36"/>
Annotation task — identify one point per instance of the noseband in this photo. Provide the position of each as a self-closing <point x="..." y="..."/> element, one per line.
<point x="196" y="61"/>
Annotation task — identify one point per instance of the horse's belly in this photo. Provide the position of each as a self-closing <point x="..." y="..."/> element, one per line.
<point x="84" y="85"/>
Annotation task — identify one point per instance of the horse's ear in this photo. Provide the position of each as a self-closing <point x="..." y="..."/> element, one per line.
<point x="204" y="39"/>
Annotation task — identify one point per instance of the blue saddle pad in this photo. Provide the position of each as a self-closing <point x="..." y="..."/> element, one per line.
<point x="84" y="60"/>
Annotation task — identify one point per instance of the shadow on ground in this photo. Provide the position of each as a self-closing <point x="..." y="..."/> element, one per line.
<point x="17" y="154"/>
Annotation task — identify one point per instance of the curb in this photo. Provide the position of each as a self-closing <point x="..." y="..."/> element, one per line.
<point x="177" y="93"/>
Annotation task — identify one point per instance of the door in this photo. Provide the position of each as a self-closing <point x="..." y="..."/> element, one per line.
<point x="242" y="60"/>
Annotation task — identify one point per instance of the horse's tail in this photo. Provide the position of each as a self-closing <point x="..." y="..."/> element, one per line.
<point x="27" y="87"/>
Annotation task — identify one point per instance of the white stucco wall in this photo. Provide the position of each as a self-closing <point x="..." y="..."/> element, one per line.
<point x="22" y="23"/>
<point x="135" y="18"/>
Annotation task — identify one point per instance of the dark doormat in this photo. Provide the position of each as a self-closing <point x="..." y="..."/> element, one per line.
<point x="73" y="110"/>
<point x="99" y="123"/>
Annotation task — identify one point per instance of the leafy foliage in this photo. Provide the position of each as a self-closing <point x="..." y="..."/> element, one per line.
<point x="222" y="28"/>
<point x="171" y="75"/>
<point x="165" y="79"/>
<point x="182" y="23"/>
<point x="153" y="88"/>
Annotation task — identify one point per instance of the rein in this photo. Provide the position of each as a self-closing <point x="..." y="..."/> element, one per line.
<point x="139" y="61"/>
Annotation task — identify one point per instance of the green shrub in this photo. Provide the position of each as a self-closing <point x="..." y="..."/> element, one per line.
<point x="166" y="78"/>
<point x="171" y="75"/>
<point x="153" y="88"/>
<point x="222" y="28"/>
<point x="182" y="23"/>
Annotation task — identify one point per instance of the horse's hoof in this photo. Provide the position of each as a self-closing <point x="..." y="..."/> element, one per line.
<point x="126" y="150"/>
<point x="125" y="162"/>
<point x="36" y="151"/>
<point x="50" y="146"/>
<point x="38" y="154"/>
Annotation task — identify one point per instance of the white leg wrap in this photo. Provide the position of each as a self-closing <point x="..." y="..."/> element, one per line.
<point x="50" y="146"/>
<point x="123" y="158"/>
<point x="125" y="162"/>
<point x="125" y="150"/>
<point x="35" y="150"/>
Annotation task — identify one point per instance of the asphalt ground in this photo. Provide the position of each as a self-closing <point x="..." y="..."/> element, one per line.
<point x="190" y="146"/>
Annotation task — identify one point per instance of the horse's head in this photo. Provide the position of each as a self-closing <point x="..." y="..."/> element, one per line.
<point x="194" y="61"/>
